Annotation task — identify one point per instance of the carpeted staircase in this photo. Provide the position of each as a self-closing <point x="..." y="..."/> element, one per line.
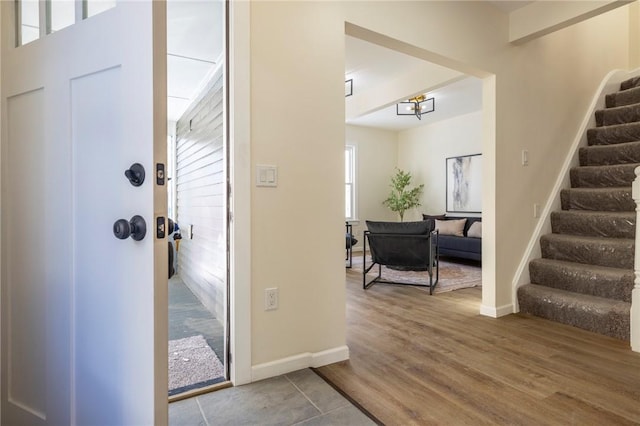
<point x="585" y="276"/>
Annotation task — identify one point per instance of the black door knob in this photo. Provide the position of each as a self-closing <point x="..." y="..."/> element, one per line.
<point x="135" y="228"/>
<point x="135" y="174"/>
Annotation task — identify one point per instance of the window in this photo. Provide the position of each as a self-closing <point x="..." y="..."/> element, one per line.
<point x="35" y="18"/>
<point x="93" y="7"/>
<point x="349" y="178"/>
<point x="62" y="13"/>
<point x="29" y="16"/>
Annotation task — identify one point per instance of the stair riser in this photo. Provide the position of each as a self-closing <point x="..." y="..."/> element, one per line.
<point x="628" y="153"/>
<point x="605" y="177"/>
<point x="610" y="117"/>
<point x="614" y="254"/>
<point x="614" y="134"/>
<point x="582" y="280"/>
<point x="614" y="324"/>
<point x="593" y="225"/>
<point x="627" y="97"/>
<point x="595" y="200"/>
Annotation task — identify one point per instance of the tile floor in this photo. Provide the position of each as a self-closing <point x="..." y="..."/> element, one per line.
<point x="298" y="398"/>
<point x="188" y="317"/>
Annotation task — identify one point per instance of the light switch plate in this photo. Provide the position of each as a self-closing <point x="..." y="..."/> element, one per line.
<point x="266" y="175"/>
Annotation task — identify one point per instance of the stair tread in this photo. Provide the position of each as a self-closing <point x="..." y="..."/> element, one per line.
<point x="623" y="97"/>
<point x="588" y="239"/>
<point x="581" y="299"/>
<point x="617" y="252"/>
<point x="630" y="83"/>
<point x="607" y="147"/>
<point x="603" y="176"/>
<point x="599" y="190"/>
<point x="601" y="281"/>
<point x="604" y="155"/>
<point x="596" y="213"/>
<point x="597" y="199"/>
<point x="613" y="224"/>
<point x="593" y="313"/>
<point x="614" y="134"/>
<point x="618" y="115"/>
<point x="610" y="147"/>
<point x="630" y="89"/>
<point x="620" y="108"/>
<point x="605" y="270"/>
<point x="608" y="166"/>
<point x="615" y="126"/>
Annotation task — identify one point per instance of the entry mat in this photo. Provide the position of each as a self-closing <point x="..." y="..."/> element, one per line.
<point x="192" y="364"/>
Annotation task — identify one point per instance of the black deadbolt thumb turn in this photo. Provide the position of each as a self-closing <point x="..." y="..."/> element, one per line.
<point x="135" y="174"/>
<point x="135" y="228"/>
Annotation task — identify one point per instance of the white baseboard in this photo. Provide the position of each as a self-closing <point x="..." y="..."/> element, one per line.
<point x="500" y="311"/>
<point x="298" y="362"/>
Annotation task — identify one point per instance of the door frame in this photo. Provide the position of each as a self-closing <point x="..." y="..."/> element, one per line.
<point x="239" y="89"/>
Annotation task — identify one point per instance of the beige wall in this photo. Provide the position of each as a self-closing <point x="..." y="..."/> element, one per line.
<point x="297" y="122"/>
<point x="423" y="151"/>
<point x="376" y="159"/>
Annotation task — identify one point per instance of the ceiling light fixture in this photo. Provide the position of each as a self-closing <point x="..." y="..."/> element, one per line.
<point x="417" y="106"/>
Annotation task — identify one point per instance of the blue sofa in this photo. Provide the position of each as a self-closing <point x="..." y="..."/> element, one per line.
<point x="460" y="247"/>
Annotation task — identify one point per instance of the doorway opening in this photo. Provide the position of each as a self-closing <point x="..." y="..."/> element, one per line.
<point x="389" y="138"/>
<point x="197" y="184"/>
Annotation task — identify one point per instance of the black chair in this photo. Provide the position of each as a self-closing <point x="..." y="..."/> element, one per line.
<point x="350" y="242"/>
<point x="408" y="246"/>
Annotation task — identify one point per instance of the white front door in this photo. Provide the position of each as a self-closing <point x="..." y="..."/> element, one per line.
<point x="84" y="327"/>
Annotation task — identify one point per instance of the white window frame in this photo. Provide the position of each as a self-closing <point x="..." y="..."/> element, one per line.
<point x="351" y="181"/>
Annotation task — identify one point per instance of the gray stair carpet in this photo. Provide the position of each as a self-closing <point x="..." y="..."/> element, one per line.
<point x="585" y="276"/>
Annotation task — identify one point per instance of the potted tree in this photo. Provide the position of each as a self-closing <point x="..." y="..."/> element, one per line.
<point x="402" y="197"/>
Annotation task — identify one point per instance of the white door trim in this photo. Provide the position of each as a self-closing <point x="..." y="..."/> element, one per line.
<point x="240" y="174"/>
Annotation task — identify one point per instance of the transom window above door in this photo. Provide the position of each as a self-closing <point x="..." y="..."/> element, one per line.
<point x="36" y="19"/>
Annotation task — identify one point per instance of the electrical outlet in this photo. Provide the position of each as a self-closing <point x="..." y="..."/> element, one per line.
<point x="270" y="299"/>
<point x="525" y="157"/>
<point x="536" y="210"/>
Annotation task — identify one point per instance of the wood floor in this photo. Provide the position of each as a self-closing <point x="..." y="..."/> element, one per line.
<point x="423" y="360"/>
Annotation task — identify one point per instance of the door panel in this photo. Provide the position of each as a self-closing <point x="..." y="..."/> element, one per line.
<point x="26" y="291"/>
<point x="84" y="313"/>
<point x="99" y="371"/>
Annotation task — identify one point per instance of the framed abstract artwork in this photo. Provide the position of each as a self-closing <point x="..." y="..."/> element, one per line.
<point x="464" y="184"/>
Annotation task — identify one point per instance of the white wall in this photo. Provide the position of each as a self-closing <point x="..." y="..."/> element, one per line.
<point x="376" y="159"/>
<point x="200" y="181"/>
<point x="423" y="150"/>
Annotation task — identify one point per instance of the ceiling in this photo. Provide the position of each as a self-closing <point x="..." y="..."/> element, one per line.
<point x="370" y="65"/>
<point x="459" y="98"/>
<point x="194" y="47"/>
